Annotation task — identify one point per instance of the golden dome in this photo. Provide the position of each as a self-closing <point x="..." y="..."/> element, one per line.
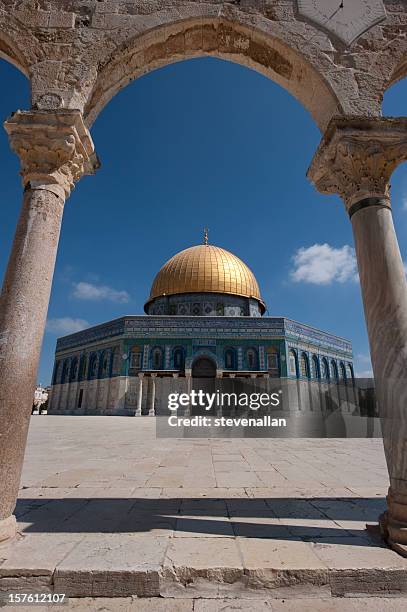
<point x="205" y="268"/>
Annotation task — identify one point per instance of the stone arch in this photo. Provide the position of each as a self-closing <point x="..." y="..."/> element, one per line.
<point x="335" y="371"/>
<point x="104" y="363"/>
<point x="293" y="364"/>
<point x="252" y="47"/>
<point x="65" y="370"/>
<point x="399" y="74"/>
<point x="157" y="358"/>
<point x="252" y="358"/>
<point x="316" y="370"/>
<point x="11" y="53"/>
<point x="135" y="357"/>
<point x="230" y="358"/>
<point x="57" y="372"/>
<point x="178" y="357"/>
<point x="116" y="361"/>
<point x="204" y="367"/>
<point x="325" y="369"/>
<point x="93" y="366"/>
<point x="305" y="371"/>
<point x="73" y="371"/>
<point x="83" y="362"/>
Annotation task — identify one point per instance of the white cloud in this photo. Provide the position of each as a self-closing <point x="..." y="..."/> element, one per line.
<point x="66" y="325"/>
<point x="362" y="361"/>
<point x="404" y="202"/>
<point x="322" y="264"/>
<point x="364" y="374"/>
<point x="90" y="291"/>
<point x="363" y="357"/>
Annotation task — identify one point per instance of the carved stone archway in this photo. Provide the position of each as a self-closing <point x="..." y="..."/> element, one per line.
<point x="78" y="55"/>
<point x="223" y="39"/>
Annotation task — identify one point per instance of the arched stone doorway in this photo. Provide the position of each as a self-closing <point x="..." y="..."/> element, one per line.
<point x="204" y="367"/>
<point x="203" y="380"/>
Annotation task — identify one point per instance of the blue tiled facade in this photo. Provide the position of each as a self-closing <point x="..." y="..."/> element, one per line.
<point x="204" y="320"/>
<point x="165" y="345"/>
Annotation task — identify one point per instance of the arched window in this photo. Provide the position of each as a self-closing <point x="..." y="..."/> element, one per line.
<point x="157" y="358"/>
<point x="230" y="359"/>
<point x="292" y="363"/>
<point x="349" y="370"/>
<point x="179" y="358"/>
<point x="342" y="370"/>
<point x="334" y="368"/>
<point x="74" y="369"/>
<point x="65" y="371"/>
<point x="252" y="359"/>
<point x="82" y="367"/>
<point x="325" y="369"/>
<point x="104" y="364"/>
<point x="315" y="367"/>
<point x="135" y="358"/>
<point x="93" y="364"/>
<point x="57" y="371"/>
<point x="116" y="362"/>
<point x="304" y="366"/>
<point x="272" y="360"/>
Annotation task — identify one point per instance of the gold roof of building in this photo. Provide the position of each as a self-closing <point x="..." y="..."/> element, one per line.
<point x="205" y="268"/>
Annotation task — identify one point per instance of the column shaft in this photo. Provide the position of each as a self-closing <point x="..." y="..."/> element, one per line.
<point x="55" y="150"/>
<point x="151" y="411"/>
<point x="23" y="310"/>
<point x="384" y="291"/>
<point x="140" y="396"/>
<point x="355" y="159"/>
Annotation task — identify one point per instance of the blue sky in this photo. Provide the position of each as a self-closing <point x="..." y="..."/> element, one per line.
<point x="200" y="143"/>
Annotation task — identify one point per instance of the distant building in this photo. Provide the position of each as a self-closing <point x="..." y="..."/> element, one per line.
<point x="204" y="320"/>
<point x="41" y="395"/>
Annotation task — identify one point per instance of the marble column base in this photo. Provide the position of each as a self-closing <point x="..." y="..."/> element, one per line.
<point x="8" y="528"/>
<point x="393" y="522"/>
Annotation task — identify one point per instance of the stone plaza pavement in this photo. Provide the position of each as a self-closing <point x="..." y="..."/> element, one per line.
<point x="107" y="510"/>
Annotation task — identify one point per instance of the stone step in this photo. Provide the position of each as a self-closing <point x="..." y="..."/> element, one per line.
<point x="123" y="565"/>
<point x="156" y="604"/>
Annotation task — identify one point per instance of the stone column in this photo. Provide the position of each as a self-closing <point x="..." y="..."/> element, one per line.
<point x="188" y="376"/>
<point x="140" y="394"/>
<point x="151" y="411"/>
<point x="356" y="159"/>
<point x="55" y="150"/>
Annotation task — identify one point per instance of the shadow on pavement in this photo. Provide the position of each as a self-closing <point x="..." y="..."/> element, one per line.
<point x="321" y="519"/>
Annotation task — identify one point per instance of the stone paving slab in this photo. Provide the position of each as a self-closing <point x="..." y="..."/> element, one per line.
<point x="106" y="509"/>
<point x="127" y="604"/>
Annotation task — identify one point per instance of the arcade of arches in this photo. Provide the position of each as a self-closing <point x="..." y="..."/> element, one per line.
<point x="338" y="68"/>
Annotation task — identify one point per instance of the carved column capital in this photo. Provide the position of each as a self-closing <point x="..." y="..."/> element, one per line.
<point x="357" y="156"/>
<point x="55" y="149"/>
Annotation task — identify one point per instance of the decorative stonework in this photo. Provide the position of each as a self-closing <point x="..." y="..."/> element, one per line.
<point x="202" y="331"/>
<point x="80" y="53"/>
<point x="346" y="20"/>
<point x="357" y="157"/>
<point x="55" y="148"/>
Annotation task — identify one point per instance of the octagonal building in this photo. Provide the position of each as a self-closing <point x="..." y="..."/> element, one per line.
<point x="204" y="319"/>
